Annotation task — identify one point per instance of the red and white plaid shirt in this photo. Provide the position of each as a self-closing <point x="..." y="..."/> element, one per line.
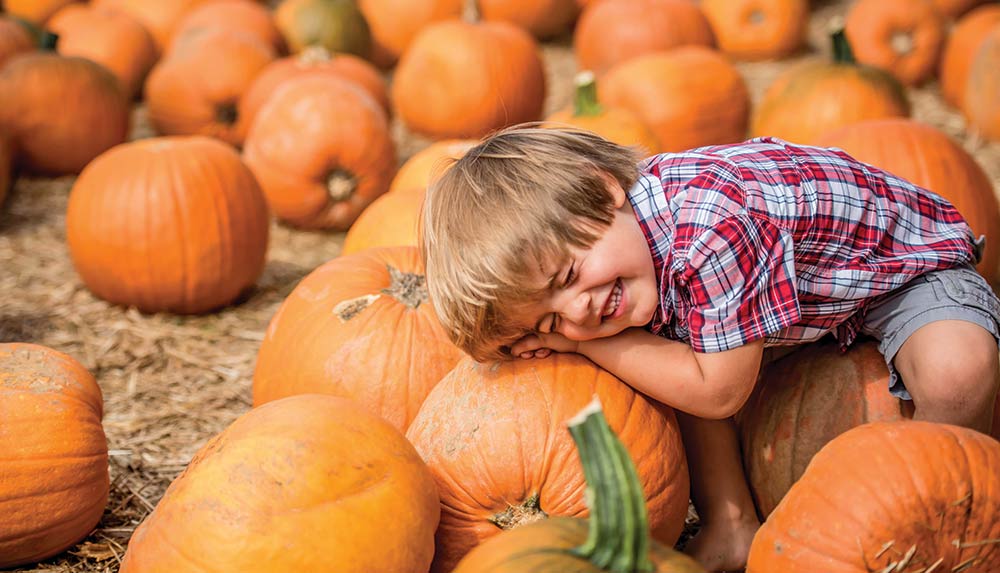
<point x="766" y="239"/>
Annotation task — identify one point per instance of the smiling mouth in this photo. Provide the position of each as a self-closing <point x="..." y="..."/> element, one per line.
<point x="614" y="300"/>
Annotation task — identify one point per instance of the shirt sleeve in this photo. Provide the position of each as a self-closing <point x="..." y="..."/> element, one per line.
<point x="740" y="283"/>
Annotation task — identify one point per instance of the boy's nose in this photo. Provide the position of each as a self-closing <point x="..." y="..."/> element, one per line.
<point x="580" y="311"/>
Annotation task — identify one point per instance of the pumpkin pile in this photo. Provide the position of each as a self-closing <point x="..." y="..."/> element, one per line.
<point x="194" y="135"/>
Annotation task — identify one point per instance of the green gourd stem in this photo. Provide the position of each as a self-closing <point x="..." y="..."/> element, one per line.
<point x="842" y="53"/>
<point x="585" y="98"/>
<point x="618" y="539"/>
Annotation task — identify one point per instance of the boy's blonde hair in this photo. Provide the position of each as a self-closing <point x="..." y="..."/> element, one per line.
<point x="521" y="196"/>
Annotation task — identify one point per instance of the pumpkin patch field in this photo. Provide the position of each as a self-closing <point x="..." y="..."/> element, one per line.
<point x="217" y="348"/>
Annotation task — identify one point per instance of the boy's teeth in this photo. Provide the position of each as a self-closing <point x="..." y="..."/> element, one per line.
<point x="614" y="300"/>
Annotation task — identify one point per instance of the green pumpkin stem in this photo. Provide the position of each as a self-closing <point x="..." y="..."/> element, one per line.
<point x="842" y="52"/>
<point x="618" y="540"/>
<point x="585" y="98"/>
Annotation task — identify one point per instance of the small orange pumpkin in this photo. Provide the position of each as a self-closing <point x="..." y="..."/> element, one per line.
<point x="464" y="80"/>
<point x="390" y="221"/>
<point x="158" y="17"/>
<point x="610" y="33"/>
<point x="35" y="11"/>
<point x="15" y="38"/>
<point x="395" y="23"/>
<point x="981" y="104"/>
<point x="423" y="166"/>
<point x="238" y="15"/>
<point x="112" y="39"/>
<point x="54" y="485"/>
<point x="963" y="42"/>
<point x="542" y="19"/>
<point x="902" y="37"/>
<point x="337" y="25"/>
<point x="758" y="29"/>
<point x="174" y="224"/>
<point x="322" y="151"/>
<point x="956" y="8"/>
<point x="308" y="483"/>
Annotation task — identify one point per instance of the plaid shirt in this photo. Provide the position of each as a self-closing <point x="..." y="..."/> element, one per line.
<point x="766" y="239"/>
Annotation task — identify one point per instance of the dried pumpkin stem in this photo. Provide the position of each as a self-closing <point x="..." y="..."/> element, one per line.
<point x="585" y="98"/>
<point x="618" y="540"/>
<point x="340" y="185"/>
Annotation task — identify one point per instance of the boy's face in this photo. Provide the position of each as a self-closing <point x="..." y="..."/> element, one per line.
<point x="602" y="290"/>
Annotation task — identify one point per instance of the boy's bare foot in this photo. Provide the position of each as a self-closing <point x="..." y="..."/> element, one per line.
<point x="723" y="544"/>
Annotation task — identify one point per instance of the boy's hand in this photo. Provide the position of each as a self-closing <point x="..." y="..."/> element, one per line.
<point x="540" y="345"/>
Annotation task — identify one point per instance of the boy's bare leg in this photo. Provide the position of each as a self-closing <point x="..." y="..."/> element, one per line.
<point x="952" y="370"/>
<point x="720" y="494"/>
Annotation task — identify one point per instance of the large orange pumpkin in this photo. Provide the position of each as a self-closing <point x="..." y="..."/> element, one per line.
<point x="308" y="483"/>
<point x="337" y="25"/>
<point x="890" y="496"/>
<point x="758" y="29"/>
<point x="610" y="33"/>
<point x="362" y="327"/>
<point x="54" y="484"/>
<point x="322" y="151"/>
<point x="981" y="103"/>
<point x="394" y="23"/>
<point x="688" y="97"/>
<point x="542" y="19"/>
<point x="492" y="436"/>
<point x="463" y="80"/>
<point x="15" y="38"/>
<point x="423" y="166"/>
<point x="238" y="15"/>
<point x="195" y="88"/>
<point x="390" y="221"/>
<point x="961" y="47"/>
<point x="903" y="37"/>
<point x="928" y="157"/>
<point x="816" y="96"/>
<point x="35" y="11"/>
<point x="172" y="224"/>
<point x="61" y="111"/>
<point x="113" y="39"/>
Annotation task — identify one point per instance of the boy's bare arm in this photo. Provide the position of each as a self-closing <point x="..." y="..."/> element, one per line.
<point x="708" y="385"/>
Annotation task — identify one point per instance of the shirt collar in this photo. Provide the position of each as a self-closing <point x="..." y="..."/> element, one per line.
<point x="655" y="217"/>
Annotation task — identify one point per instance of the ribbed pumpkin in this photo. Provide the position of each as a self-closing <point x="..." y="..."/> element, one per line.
<point x="172" y="224"/>
<point x="390" y="221"/>
<point x="758" y="29"/>
<point x="890" y="496"/>
<point x="394" y="23"/>
<point x="903" y="37"/>
<point x="963" y="42"/>
<point x="309" y="62"/>
<point x="829" y="94"/>
<point x="158" y="17"/>
<point x="614" y="538"/>
<point x="308" y="483"/>
<point x="195" y="88"/>
<point x="115" y="40"/>
<point x="322" y="151"/>
<point x="981" y="104"/>
<point x="35" y="11"/>
<point x="688" y="97"/>
<point x="423" y="166"/>
<point x="461" y="80"/>
<point x="956" y="8"/>
<point x="610" y="33"/>
<point x="362" y="327"/>
<point x="15" y="38"/>
<point x="926" y="156"/>
<point x="492" y="437"/>
<point x="616" y="124"/>
<point x="93" y="112"/>
<point x="337" y="25"/>
<point x="238" y="15"/>
<point x="542" y="19"/>
<point x="6" y="165"/>
<point x="54" y="484"/>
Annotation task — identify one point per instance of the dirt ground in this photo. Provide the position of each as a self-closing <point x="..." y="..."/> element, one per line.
<point x="170" y="383"/>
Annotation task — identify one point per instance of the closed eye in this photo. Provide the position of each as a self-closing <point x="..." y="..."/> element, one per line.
<point x="570" y="275"/>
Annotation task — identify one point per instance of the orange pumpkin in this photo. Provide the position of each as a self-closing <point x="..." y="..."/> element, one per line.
<point x="54" y="484"/>
<point x="35" y="11"/>
<point x="981" y="104"/>
<point x="112" y="39"/>
<point x="195" y="88"/>
<point x="464" y="80"/>
<point x="956" y="8"/>
<point x="491" y="436"/>
<point x="758" y="29"/>
<point x="616" y="124"/>
<point x="390" y="221"/>
<point x="903" y="37"/>
<point x="360" y="326"/>
<point x="237" y="15"/>
<point x="173" y="224"/>
<point x="610" y="33"/>
<point x="961" y="46"/>
<point x="688" y="97"/>
<point x="337" y="25"/>
<point x="542" y="19"/>
<point x="829" y="94"/>
<point x="927" y="157"/>
<point x="420" y="169"/>
<point x="93" y="112"/>
<point x="322" y="151"/>
<point x="6" y="166"/>
<point x="889" y="496"/>
<point x="308" y="483"/>
<point x="15" y="38"/>
<point x="158" y="17"/>
<point x="312" y="61"/>
<point x="394" y="23"/>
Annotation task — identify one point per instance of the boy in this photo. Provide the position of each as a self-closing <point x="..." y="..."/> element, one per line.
<point x="676" y="272"/>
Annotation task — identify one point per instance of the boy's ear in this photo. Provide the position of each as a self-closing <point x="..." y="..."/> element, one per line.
<point x="618" y="194"/>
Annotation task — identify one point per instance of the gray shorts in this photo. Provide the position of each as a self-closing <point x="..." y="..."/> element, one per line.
<point x="958" y="293"/>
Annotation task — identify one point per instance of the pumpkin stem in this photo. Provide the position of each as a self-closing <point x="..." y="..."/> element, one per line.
<point x="585" y="98"/>
<point x="313" y="55"/>
<point x="619" y="527"/>
<point x="340" y="185"/>
<point x="842" y="52"/>
<point x="227" y="113"/>
<point x="527" y="512"/>
<point x="408" y="288"/>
